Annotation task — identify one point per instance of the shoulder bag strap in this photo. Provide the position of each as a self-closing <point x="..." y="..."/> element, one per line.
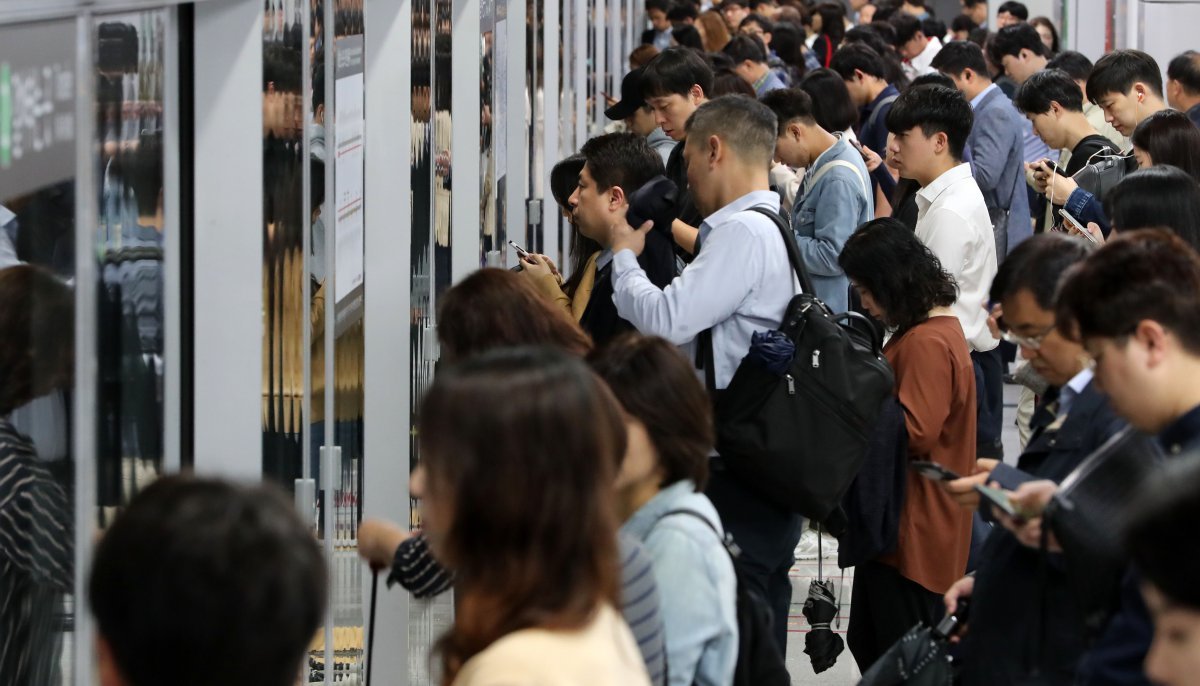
<point x="878" y="111"/>
<point x="725" y="540"/>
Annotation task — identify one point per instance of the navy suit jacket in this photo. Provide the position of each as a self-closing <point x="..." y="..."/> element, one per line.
<point x="997" y="144"/>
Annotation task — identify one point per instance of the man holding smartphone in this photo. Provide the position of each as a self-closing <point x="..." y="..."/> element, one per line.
<point x="835" y="195"/>
<point x="1072" y="420"/>
<point x="1052" y="101"/>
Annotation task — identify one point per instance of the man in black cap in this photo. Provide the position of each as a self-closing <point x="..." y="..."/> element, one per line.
<point x="639" y="116"/>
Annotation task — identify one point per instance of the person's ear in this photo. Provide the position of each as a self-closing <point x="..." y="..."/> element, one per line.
<point x="796" y="131"/>
<point x="616" y="197"/>
<point x="1153" y="337"/>
<point x="696" y="93"/>
<point x="860" y="75"/>
<point x="941" y="142"/>
<point x="1139" y="91"/>
<point x="715" y="150"/>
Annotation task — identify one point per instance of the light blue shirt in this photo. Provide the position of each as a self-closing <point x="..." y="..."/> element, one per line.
<point x="696" y="583"/>
<point x="1067" y="394"/>
<point x="982" y="94"/>
<point x="830" y="211"/>
<point x="740" y="283"/>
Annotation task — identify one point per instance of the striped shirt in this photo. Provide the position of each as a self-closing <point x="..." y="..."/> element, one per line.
<point x="416" y="570"/>
<point x="36" y="563"/>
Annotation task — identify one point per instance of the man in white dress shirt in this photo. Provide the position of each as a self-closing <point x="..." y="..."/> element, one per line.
<point x="930" y="126"/>
<point x="917" y="49"/>
<point x="739" y="283"/>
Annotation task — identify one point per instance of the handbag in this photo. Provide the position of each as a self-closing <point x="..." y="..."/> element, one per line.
<point x="799" y="438"/>
<point x="1087" y="514"/>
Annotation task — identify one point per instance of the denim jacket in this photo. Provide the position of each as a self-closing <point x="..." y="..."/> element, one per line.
<point x="696" y="582"/>
<point x="826" y="216"/>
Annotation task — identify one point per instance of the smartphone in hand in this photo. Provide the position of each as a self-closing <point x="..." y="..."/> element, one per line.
<point x="521" y="252"/>
<point x="933" y="471"/>
<point x="999" y="499"/>
<point x="1076" y="227"/>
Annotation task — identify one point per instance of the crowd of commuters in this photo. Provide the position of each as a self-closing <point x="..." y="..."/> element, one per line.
<point x="973" y="189"/>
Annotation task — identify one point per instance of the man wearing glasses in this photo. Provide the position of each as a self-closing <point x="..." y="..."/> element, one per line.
<point x="1071" y="420"/>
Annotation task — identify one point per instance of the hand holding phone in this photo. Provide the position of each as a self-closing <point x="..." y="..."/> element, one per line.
<point x="1075" y="227"/>
<point x="521" y="252"/>
<point x="933" y="471"/>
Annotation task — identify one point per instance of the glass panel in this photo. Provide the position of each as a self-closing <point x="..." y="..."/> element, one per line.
<point x="37" y="227"/>
<point x="284" y="277"/>
<point x="491" y="139"/>
<point x="343" y="486"/>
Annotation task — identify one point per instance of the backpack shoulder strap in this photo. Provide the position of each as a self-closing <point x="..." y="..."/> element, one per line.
<point x="878" y="111"/>
<point x="789" y="242"/>
<point x="828" y="167"/>
<point x="726" y="540"/>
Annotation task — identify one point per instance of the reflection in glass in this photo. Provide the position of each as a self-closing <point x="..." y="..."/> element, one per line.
<point x="488" y="235"/>
<point x="37" y="310"/>
<point x="284" y="277"/>
<point x="129" y="89"/>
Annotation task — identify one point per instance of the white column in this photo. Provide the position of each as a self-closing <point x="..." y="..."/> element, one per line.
<point x="387" y="267"/>
<point x="228" y="238"/>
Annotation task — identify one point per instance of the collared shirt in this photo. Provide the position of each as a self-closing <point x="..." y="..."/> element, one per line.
<point x="982" y="94"/>
<point x="740" y="282"/>
<point x="953" y="222"/>
<point x="1068" y="393"/>
<point x="662" y="39"/>
<point x="1182" y="434"/>
<point x="829" y="212"/>
<point x="1194" y="114"/>
<point x="923" y="64"/>
<point x="696" y="582"/>
<point x="768" y="82"/>
<point x="603" y="259"/>
<point x="8" y="252"/>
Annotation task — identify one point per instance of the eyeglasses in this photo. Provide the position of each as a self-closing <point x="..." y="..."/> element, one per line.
<point x="1031" y="342"/>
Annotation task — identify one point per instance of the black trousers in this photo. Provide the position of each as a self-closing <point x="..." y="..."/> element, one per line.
<point x="883" y="607"/>
<point x="989" y="398"/>
<point x="767" y="536"/>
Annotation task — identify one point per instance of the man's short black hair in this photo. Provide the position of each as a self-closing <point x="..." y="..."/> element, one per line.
<point x="789" y="105"/>
<point x="758" y="19"/>
<point x="973" y="3"/>
<point x="755" y="4"/>
<point x="934" y="27"/>
<point x="1011" y="40"/>
<point x="935" y="109"/>
<point x="621" y="159"/>
<point x="1076" y="64"/>
<point x="662" y="5"/>
<point x="860" y="57"/>
<point x="1160" y="533"/>
<point x="933" y="78"/>
<point x="682" y="11"/>
<point x="742" y="47"/>
<point x="1037" y="265"/>
<point x="906" y="26"/>
<point x="198" y="575"/>
<point x="1148" y="274"/>
<point x="957" y="56"/>
<point x="1017" y="9"/>
<point x="1186" y="70"/>
<point x="1045" y="87"/>
<point x="674" y="72"/>
<point x="1119" y="70"/>
<point x="963" y="23"/>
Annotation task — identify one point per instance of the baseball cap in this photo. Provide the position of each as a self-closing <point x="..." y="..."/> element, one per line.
<point x="631" y="97"/>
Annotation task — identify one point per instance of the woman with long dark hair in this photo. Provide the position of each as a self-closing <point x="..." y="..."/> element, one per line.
<point x="1168" y="137"/>
<point x="831" y="31"/>
<point x="527" y="524"/>
<point x="1161" y="196"/>
<point x="903" y="284"/>
<point x="832" y="107"/>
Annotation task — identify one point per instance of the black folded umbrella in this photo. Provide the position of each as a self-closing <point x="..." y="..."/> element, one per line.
<point x="773" y="350"/>
<point x="821" y="645"/>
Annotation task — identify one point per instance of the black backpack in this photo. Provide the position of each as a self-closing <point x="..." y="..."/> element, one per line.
<point x="759" y="662"/>
<point x="800" y="439"/>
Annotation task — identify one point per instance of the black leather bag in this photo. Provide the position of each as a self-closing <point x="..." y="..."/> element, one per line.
<point x="800" y="439"/>
<point x="1088" y="513"/>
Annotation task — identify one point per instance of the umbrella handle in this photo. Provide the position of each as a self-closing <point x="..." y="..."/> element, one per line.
<point x="820" y="556"/>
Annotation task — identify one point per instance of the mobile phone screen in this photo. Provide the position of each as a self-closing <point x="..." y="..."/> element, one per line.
<point x="933" y="471"/>
<point x="998" y="498"/>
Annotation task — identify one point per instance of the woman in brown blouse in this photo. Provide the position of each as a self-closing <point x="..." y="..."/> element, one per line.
<point x="904" y="285"/>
